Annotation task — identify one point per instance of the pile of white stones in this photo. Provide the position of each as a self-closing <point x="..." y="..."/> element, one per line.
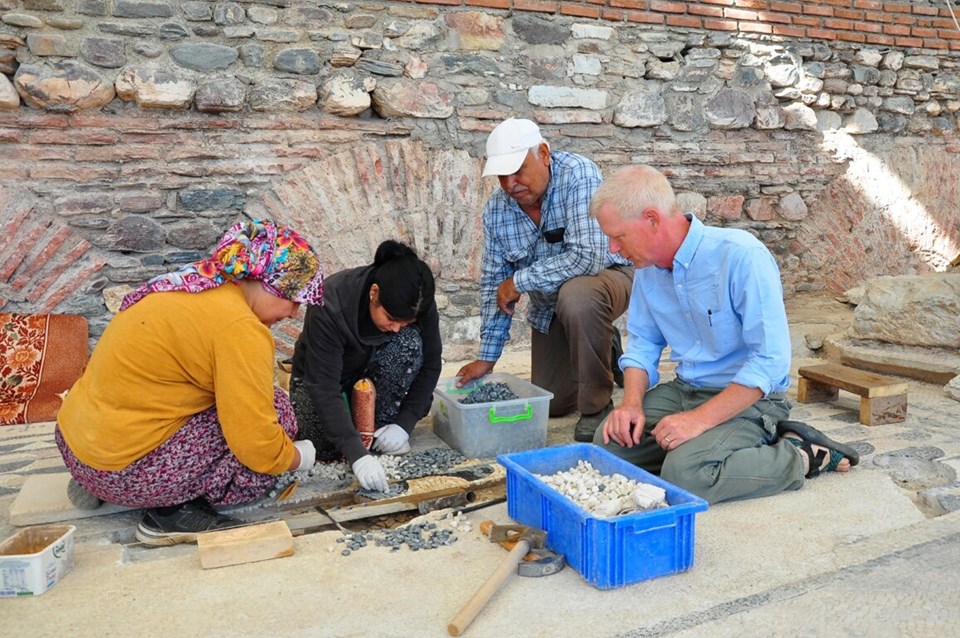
<point x="605" y="496"/>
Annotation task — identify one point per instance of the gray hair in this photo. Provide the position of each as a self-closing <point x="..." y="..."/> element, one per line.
<point x="633" y="189"/>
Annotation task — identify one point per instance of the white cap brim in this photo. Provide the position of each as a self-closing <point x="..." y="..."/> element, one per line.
<point x="506" y="164"/>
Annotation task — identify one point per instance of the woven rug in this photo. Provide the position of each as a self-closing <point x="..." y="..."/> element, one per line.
<point x="41" y="356"/>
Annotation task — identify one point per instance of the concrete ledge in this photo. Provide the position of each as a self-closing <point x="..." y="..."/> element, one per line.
<point x="43" y="499"/>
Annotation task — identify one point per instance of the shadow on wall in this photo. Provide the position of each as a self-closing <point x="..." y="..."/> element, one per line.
<point x="892" y="212"/>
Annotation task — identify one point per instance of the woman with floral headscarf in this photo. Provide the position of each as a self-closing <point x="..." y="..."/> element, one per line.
<point x="176" y="410"/>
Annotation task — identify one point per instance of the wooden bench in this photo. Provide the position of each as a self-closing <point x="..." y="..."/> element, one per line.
<point x="882" y="399"/>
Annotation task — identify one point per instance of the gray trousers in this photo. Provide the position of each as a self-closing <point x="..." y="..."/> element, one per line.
<point x="573" y="360"/>
<point x="738" y="459"/>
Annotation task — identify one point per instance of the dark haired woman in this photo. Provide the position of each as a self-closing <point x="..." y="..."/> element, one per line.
<point x="378" y="321"/>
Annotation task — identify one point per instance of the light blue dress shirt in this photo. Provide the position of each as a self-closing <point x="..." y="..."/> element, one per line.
<point x="720" y="310"/>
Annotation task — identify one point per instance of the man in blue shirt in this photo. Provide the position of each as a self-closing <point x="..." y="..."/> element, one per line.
<point x="540" y="240"/>
<point x="713" y="295"/>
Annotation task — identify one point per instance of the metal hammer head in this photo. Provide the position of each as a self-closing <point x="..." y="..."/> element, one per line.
<point x="537" y="538"/>
<point x="538" y="561"/>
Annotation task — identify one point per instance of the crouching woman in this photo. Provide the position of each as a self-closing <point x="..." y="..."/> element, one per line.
<point x="380" y="322"/>
<point x="177" y="411"/>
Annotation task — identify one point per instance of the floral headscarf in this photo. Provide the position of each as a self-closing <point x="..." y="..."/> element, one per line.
<point x="279" y="258"/>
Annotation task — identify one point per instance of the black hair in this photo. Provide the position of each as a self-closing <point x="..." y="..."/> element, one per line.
<point x="405" y="281"/>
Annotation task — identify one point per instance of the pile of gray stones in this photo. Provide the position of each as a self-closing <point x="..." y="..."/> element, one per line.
<point x="416" y="536"/>
<point x="488" y="393"/>
<point x="428" y="462"/>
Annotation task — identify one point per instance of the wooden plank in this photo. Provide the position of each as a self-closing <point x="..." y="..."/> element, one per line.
<point x="930" y="376"/>
<point x="245" y="544"/>
<point x="311" y="522"/>
<point x="866" y="384"/>
<point x="809" y="391"/>
<point x="880" y="410"/>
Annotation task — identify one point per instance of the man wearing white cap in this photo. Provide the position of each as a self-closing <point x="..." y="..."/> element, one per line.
<point x="540" y="240"/>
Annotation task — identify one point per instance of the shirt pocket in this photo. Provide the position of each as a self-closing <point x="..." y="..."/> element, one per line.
<point x="710" y="306"/>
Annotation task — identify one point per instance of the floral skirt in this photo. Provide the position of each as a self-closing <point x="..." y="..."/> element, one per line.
<point x="194" y="462"/>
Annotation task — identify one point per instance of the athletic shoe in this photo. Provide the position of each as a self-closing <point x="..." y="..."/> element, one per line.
<point x="169" y="526"/>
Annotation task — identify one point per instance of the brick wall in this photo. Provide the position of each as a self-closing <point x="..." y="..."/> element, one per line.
<point x="828" y="129"/>
<point x="923" y="24"/>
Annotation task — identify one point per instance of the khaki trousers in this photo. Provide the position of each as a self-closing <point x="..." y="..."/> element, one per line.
<point x="738" y="459"/>
<point x="573" y="360"/>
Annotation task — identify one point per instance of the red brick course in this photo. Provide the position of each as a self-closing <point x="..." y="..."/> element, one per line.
<point x="846" y="20"/>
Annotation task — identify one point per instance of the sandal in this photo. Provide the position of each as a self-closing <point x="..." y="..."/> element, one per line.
<point x="817" y="458"/>
<point x="810" y="436"/>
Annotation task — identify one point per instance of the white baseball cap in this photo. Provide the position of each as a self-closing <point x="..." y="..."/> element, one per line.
<point x="508" y="144"/>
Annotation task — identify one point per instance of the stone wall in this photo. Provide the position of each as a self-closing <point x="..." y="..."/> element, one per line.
<point x="133" y="132"/>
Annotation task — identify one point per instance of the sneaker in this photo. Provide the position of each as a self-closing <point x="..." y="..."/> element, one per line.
<point x="616" y="352"/>
<point x="81" y="498"/>
<point x="183" y="524"/>
<point x="587" y="425"/>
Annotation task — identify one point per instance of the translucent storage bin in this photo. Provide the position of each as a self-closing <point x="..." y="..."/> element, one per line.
<point x="484" y="430"/>
<point x="607" y="552"/>
<point x="34" y="559"/>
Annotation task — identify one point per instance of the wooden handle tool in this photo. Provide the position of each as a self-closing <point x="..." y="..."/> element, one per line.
<point x="480" y="598"/>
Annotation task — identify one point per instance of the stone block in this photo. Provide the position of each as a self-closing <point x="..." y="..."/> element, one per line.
<point x="65" y="86"/>
<point x="914" y="310"/>
<point x="300" y="61"/>
<point x="43" y="499"/>
<point x="142" y="9"/>
<point x="203" y="56"/>
<point x="50" y="44"/>
<point x="564" y="96"/>
<point x="477" y="30"/>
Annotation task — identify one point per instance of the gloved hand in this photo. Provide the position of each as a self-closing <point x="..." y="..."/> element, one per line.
<point x="370" y="474"/>
<point x="391" y="439"/>
<point x="308" y="454"/>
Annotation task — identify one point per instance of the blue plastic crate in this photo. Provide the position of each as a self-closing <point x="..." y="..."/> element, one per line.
<point x="608" y="552"/>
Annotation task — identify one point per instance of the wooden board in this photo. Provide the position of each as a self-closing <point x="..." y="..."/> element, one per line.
<point x="880" y="410"/>
<point x="308" y="523"/>
<point x="930" y="376"/>
<point x="861" y="382"/>
<point x="245" y="544"/>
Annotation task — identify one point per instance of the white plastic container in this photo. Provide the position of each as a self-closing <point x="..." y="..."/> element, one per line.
<point x="484" y="430"/>
<point x="34" y="559"/>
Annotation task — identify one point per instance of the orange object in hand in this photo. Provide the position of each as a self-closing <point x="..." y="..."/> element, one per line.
<point x="363" y="404"/>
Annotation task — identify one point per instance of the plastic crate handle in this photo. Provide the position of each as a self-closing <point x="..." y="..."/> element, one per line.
<point x="511" y="419"/>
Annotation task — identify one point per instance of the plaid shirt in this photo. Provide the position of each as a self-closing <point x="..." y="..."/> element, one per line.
<point x="515" y="247"/>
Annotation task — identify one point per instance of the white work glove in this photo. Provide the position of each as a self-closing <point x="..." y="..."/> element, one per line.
<point x="308" y="454"/>
<point x="391" y="439"/>
<point x="370" y="474"/>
